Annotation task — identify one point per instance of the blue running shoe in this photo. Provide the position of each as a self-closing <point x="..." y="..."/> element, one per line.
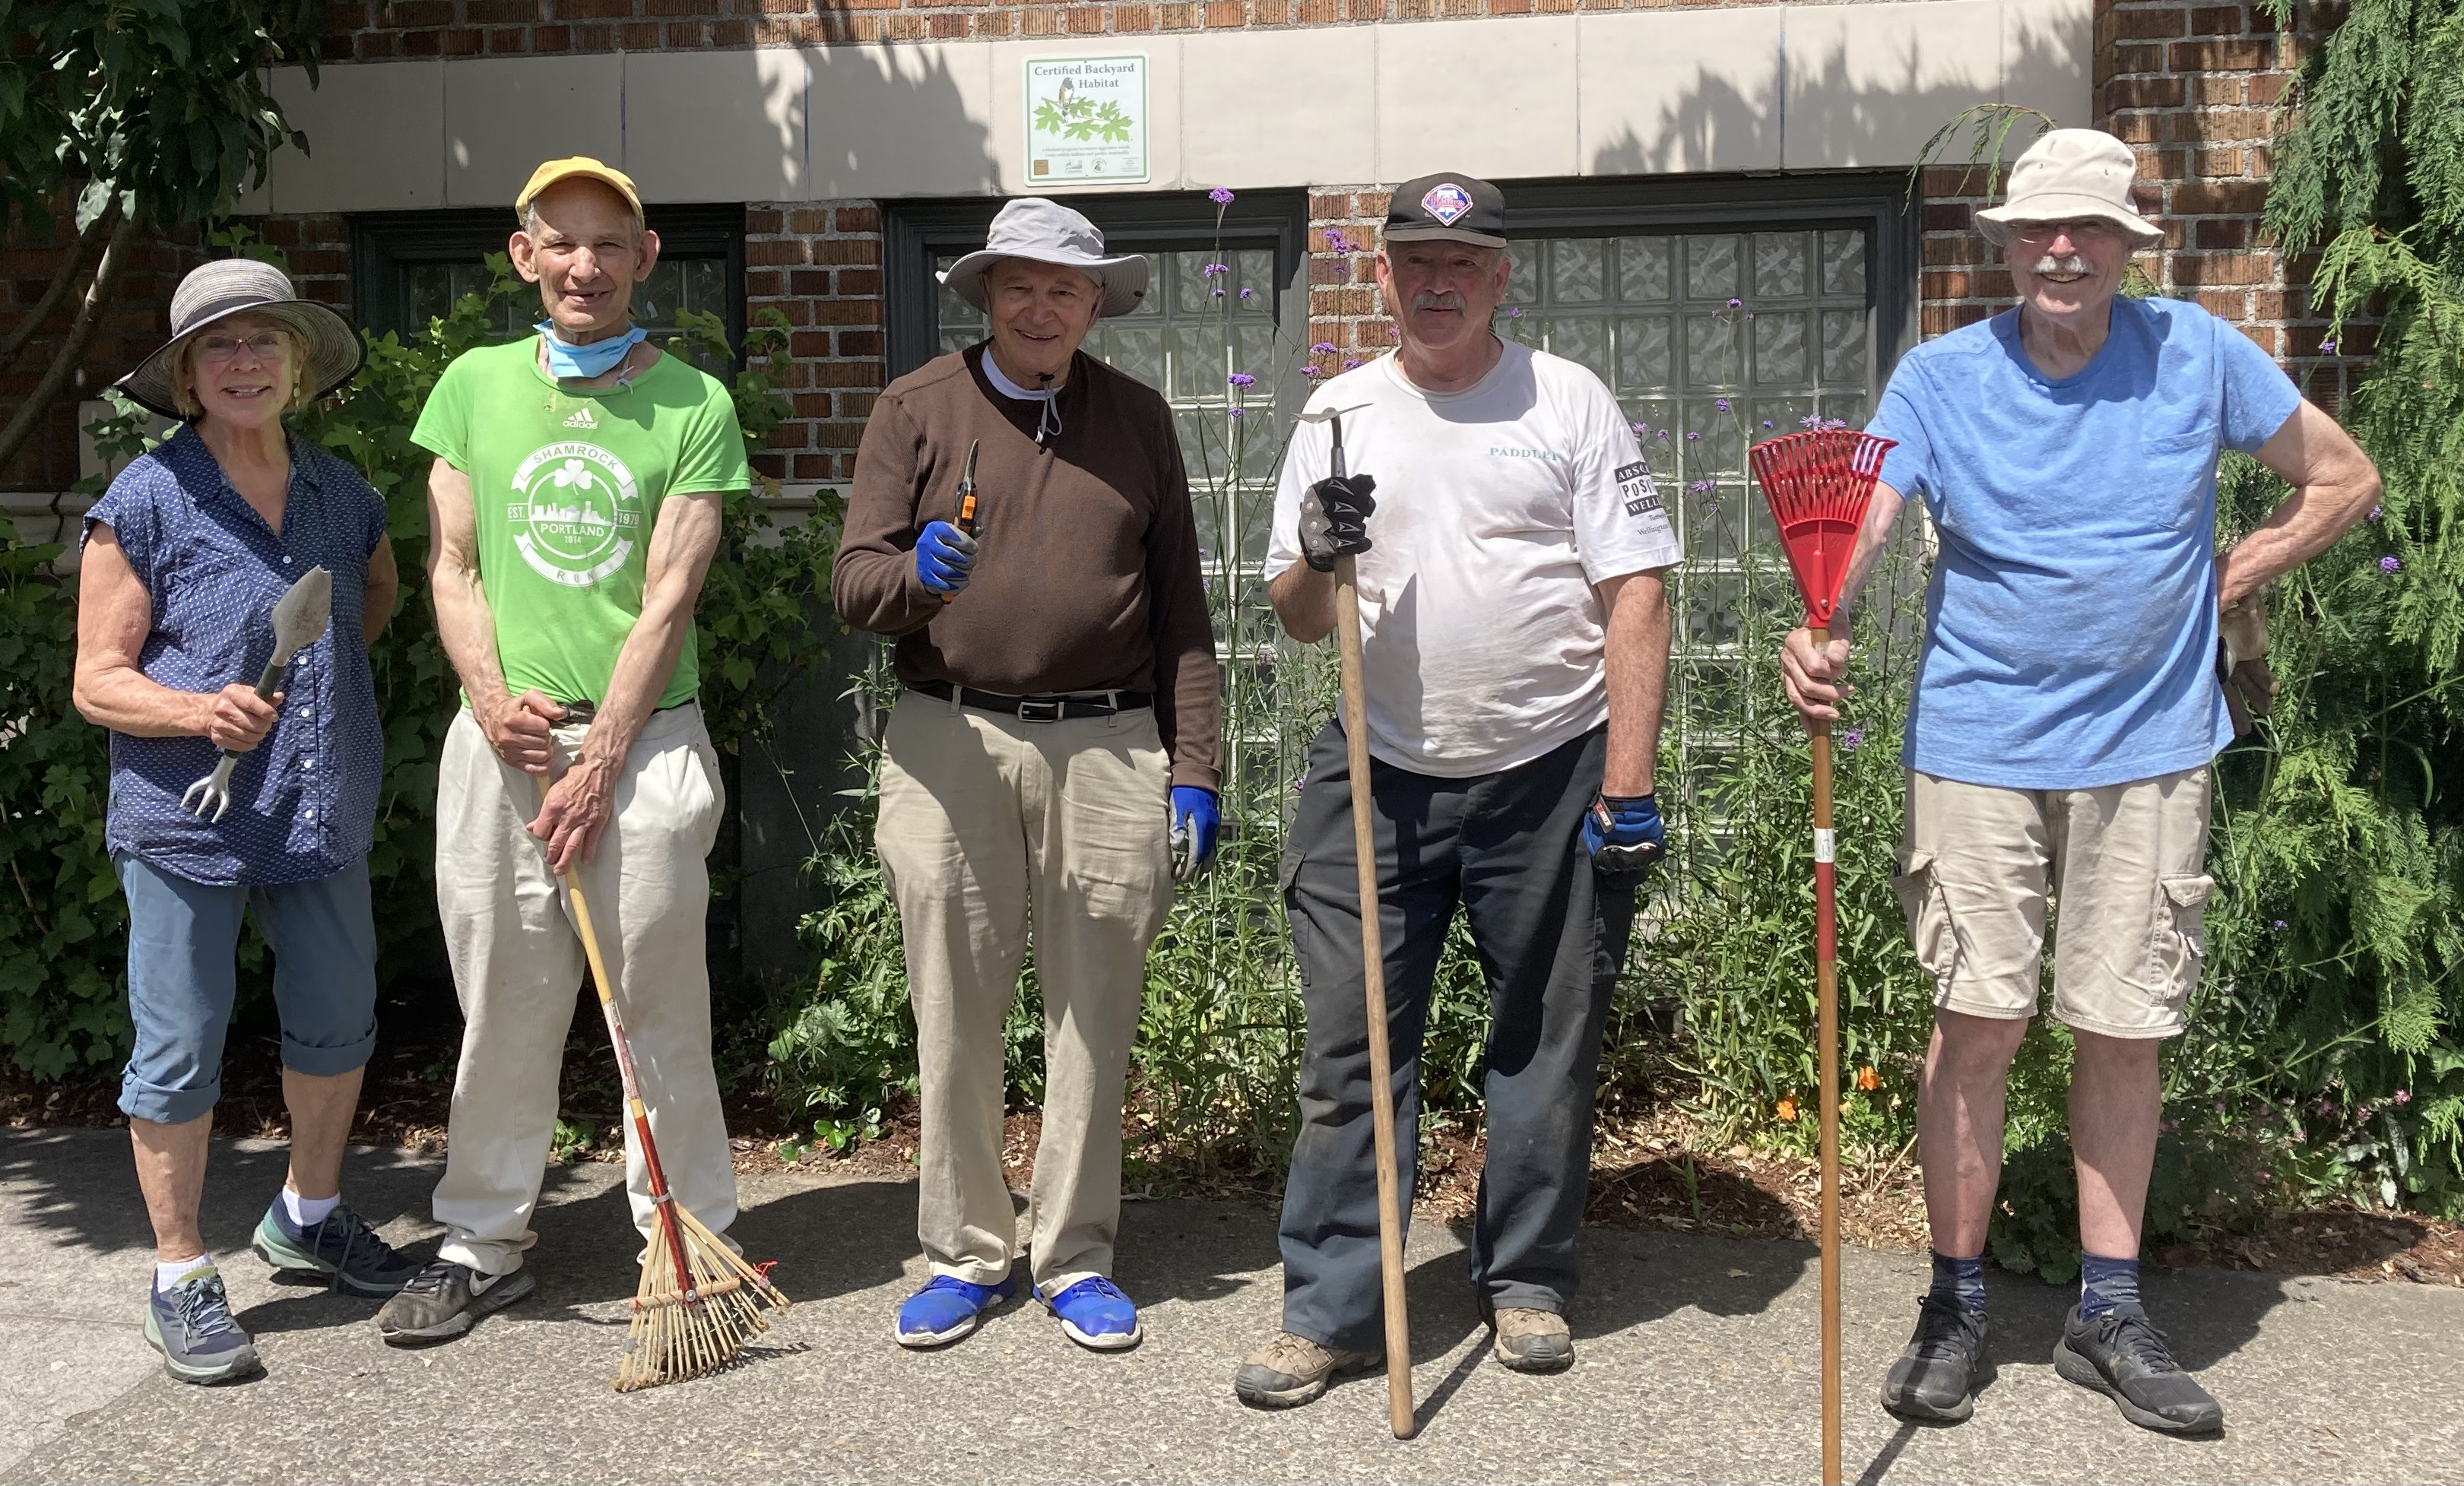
<point x="1095" y="1314"/>
<point x="191" y="1326"/>
<point x="342" y="1248"/>
<point x="947" y="1309"/>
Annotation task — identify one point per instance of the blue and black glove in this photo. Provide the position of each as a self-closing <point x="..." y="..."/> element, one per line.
<point x="945" y="558"/>
<point x="1194" y="817"/>
<point x="1624" y="834"/>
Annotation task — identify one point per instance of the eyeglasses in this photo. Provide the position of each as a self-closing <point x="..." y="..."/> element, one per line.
<point x="2085" y="230"/>
<point x="265" y="345"/>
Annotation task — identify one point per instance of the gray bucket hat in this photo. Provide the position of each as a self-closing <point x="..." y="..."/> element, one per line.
<point x="1050" y="232"/>
<point x="225" y="287"/>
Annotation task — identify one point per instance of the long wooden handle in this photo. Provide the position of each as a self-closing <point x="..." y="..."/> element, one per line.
<point x="1826" y="972"/>
<point x="661" y="1202"/>
<point x="1372" y="971"/>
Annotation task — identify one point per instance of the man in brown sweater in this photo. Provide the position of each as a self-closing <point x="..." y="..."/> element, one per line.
<point x="1055" y="740"/>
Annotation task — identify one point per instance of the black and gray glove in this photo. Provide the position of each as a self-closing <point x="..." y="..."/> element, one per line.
<point x="1335" y="520"/>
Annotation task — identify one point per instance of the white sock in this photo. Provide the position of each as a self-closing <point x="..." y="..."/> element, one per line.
<point x="307" y="1211"/>
<point x="167" y="1277"/>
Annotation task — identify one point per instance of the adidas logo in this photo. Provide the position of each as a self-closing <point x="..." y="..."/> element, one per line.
<point x="581" y="419"/>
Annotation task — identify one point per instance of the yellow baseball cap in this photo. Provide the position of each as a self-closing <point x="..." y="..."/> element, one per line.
<point x="579" y="168"/>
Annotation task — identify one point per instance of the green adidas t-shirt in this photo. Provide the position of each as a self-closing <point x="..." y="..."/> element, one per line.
<point x="567" y="485"/>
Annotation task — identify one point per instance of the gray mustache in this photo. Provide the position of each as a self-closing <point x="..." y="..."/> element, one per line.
<point x="1439" y="299"/>
<point x="2067" y="263"/>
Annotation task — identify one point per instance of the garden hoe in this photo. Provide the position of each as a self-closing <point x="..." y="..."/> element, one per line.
<point x="1391" y="1194"/>
<point x="1818" y="484"/>
<point x="300" y="618"/>
<point x="698" y="1300"/>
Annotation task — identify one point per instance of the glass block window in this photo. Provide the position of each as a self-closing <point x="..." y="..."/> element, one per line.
<point x="1711" y="340"/>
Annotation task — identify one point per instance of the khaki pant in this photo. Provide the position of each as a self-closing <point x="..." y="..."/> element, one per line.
<point x="2125" y="866"/>
<point x="518" y="965"/>
<point x="981" y="816"/>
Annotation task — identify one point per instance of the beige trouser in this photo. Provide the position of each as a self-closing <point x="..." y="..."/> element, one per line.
<point x="518" y="965"/>
<point x="981" y="815"/>
<point x="2125" y="866"/>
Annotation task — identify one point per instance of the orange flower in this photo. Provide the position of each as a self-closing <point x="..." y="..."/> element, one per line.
<point x="1788" y="1108"/>
<point x="1868" y="1079"/>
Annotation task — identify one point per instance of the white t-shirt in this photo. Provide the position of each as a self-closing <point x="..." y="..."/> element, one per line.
<point x="1499" y="507"/>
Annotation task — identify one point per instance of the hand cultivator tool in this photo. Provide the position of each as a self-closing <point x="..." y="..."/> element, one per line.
<point x="698" y="1302"/>
<point x="1390" y="1194"/>
<point x="300" y="617"/>
<point x="1818" y="484"/>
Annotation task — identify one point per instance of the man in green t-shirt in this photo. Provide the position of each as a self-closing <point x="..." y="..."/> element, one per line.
<point x="574" y="507"/>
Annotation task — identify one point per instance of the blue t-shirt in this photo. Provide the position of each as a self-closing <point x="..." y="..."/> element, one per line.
<point x="2071" y="618"/>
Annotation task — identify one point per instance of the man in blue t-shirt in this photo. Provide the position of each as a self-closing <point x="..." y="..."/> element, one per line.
<point x="2066" y="709"/>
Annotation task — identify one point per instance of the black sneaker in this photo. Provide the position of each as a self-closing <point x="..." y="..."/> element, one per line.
<point x="191" y="1326"/>
<point x="2122" y="1355"/>
<point x="446" y="1299"/>
<point x="1936" y="1380"/>
<point x="342" y="1248"/>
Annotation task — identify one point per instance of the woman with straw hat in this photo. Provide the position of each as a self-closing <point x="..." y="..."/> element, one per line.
<point x="184" y="560"/>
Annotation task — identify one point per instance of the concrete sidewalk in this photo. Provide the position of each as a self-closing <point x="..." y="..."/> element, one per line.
<point x="1697" y="1362"/>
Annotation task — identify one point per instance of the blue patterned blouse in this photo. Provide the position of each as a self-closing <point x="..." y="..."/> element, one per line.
<point x="303" y="801"/>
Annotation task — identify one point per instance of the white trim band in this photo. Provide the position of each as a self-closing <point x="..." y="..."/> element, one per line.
<point x="1824" y="845"/>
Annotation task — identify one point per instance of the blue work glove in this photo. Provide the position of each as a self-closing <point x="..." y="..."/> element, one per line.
<point x="1194" y="817"/>
<point x="1622" y="833"/>
<point x="945" y="558"/>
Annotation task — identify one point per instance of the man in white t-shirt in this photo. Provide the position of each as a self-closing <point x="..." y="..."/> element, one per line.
<point x="1515" y="651"/>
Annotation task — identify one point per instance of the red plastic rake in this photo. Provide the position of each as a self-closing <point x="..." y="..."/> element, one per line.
<point x="1818" y="484"/>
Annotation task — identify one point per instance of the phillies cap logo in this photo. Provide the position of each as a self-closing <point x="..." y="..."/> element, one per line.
<point x="1446" y="201"/>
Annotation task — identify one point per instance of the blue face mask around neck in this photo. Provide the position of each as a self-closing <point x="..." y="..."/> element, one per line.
<point x="567" y="361"/>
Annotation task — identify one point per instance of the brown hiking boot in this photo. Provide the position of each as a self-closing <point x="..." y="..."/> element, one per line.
<point x="1290" y="1370"/>
<point x="1533" y="1341"/>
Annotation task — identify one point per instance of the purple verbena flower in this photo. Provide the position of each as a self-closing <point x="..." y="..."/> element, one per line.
<point x="1244" y="293"/>
<point x="1690" y="437"/>
<point x="1220" y="196"/>
<point x="1218" y="294"/>
<point x="1334" y="241"/>
<point x="2327" y="348"/>
<point x="1663" y="434"/>
<point x="2374" y="512"/>
<point x="1323" y="349"/>
<point x="1720" y="402"/>
<point x="1809" y="421"/>
<point x="1239" y="412"/>
<point x="2388" y="564"/>
<point x="1835" y="423"/>
<point x="1242" y="380"/>
<point x="1698" y="486"/>
<point x="1311" y="371"/>
<point x="1514" y="312"/>
<point x="1852" y="740"/>
<point x="1213" y="269"/>
<point x="1766" y="422"/>
<point x="1736" y="304"/>
<point x="1350" y="362"/>
<point x="2280" y="925"/>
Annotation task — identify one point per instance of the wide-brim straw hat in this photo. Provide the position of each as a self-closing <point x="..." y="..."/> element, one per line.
<point x="217" y="291"/>
<point x="1050" y="232"/>
<point x="2068" y="174"/>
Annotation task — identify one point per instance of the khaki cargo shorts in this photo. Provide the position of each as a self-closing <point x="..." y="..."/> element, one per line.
<point x="2121" y="868"/>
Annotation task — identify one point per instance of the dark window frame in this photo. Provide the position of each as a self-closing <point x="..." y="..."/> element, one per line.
<point x="383" y="243"/>
<point x="915" y="232"/>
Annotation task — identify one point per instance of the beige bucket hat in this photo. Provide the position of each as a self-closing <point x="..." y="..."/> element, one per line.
<point x="2068" y="174"/>
<point x="1050" y="232"/>
<point x="225" y="287"/>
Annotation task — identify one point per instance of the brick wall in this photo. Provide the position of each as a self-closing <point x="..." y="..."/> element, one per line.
<point x="2196" y="86"/>
<point x="135" y="321"/>
<point x="819" y="264"/>
<point x="377" y="31"/>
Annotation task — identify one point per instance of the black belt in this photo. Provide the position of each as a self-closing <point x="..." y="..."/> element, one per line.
<point x="578" y="712"/>
<point x="1038" y="709"/>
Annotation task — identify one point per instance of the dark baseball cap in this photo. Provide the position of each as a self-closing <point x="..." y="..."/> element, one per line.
<point x="1457" y="208"/>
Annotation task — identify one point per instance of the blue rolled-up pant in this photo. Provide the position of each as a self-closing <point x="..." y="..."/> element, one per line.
<point x="183" y="976"/>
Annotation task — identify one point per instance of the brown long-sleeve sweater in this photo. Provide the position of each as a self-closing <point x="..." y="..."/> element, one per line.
<point x="1085" y="575"/>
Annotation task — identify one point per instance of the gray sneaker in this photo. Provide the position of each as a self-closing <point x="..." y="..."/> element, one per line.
<point x="1290" y="1370"/>
<point x="344" y="1248"/>
<point x="191" y="1326"/>
<point x="446" y="1299"/>
<point x="1533" y="1340"/>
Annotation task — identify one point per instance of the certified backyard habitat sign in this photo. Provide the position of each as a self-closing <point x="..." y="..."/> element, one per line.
<point x="1086" y="120"/>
